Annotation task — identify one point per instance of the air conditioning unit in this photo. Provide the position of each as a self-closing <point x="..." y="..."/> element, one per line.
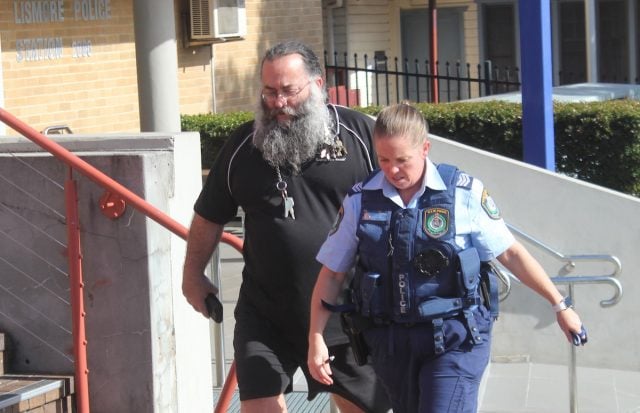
<point x="333" y="3"/>
<point x="217" y="19"/>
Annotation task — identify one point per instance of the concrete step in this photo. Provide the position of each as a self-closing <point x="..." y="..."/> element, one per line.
<point x="36" y="393"/>
<point x="33" y="393"/>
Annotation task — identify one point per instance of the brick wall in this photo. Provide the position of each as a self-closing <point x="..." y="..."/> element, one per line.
<point x="236" y="73"/>
<point x="91" y="87"/>
<point x="44" y="84"/>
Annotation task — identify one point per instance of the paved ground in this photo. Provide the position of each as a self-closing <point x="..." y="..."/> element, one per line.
<point x="544" y="388"/>
<point x="512" y="387"/>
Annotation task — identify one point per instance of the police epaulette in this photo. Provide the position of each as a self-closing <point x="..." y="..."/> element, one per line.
<point x="356" y="189"/>
<point x="464" y="181"/>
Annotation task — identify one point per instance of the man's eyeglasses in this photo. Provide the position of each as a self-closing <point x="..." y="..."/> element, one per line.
<point x="272" y="95"/>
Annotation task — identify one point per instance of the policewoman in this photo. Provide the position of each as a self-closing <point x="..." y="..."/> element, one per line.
<point x="420" y="237"/>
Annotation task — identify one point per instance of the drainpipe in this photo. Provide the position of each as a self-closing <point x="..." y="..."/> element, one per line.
<point x="433" y="49"/>
<point x="212" y="67"/>
<point x="592" y="41"/>
<point x="632" y="36"/>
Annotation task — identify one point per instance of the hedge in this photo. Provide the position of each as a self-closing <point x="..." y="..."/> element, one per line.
<point x="214" y="129"/>
<point x="598" y="142"/>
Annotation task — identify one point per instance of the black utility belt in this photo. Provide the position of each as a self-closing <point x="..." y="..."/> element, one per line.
<point x="430" y="310"/>
<point x="385" y="323"/>
<point x="429" y="322"/>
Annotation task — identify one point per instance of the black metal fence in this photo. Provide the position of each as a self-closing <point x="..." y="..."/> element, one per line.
<point x="376" y="81"/>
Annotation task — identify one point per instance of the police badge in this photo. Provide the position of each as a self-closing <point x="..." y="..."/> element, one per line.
<point x="435" y="222"/>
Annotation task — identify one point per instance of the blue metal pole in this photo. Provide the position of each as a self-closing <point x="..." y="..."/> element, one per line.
<point x="536" y="72"/>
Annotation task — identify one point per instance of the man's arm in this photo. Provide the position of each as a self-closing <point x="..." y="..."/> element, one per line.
<point x="204" y="237"/>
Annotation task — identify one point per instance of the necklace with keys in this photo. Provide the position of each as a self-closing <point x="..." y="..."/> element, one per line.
<point x="281" y="186"/>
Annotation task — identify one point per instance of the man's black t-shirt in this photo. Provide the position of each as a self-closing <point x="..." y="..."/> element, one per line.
<point x="279" y="253"/>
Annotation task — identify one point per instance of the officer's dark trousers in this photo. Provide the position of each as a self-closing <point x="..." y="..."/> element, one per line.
<point x="417" y="380"/>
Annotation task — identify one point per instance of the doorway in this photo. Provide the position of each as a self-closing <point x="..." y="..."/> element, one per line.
<point x="415" y="46"/>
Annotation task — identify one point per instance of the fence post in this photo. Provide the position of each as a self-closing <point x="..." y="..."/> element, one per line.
<point x="487" y="77"/>
<point x="346" y="78"/>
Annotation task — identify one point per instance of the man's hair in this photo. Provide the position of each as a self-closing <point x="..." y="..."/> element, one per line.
<point x="401" y="119"/>
<point x="311" y="62"/>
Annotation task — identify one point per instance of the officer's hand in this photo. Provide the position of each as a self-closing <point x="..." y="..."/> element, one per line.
<point x="195" y="289"/>
<point x="572" y="327"/>
<point x="318" y="360"/>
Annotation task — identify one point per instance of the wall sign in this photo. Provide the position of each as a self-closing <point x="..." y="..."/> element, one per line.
<point x="33" y="12"/>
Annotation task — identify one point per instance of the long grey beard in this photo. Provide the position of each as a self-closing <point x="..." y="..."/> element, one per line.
<point x="295" y="142"/>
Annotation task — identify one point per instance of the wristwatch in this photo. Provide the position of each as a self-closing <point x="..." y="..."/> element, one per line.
<point x="563" y="305"/>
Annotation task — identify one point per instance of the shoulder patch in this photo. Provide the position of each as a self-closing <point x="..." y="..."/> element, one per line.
<point x="464" y="180"/>
<point x="489" y="205"/>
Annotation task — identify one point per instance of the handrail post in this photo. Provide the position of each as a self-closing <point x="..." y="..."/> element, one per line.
<point x="573" y="371"/>
<point x="218" y="330"/>
<point x="77" y="290"/>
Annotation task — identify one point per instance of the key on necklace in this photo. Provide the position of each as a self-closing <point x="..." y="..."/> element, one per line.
<point x="288" y="201"/>
<point x="288" y="206"/>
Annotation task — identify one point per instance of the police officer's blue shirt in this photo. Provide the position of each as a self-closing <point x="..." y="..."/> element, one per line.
<point x="476" y="226"/>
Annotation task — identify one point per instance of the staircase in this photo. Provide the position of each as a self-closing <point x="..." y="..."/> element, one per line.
<point x="32" y="393"/>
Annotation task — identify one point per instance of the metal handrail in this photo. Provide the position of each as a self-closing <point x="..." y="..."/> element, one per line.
<point x="144" y="207"/>
<point x="570" y="264"/>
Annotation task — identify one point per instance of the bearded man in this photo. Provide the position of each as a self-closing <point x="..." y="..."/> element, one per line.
<point x="289" y="171"/>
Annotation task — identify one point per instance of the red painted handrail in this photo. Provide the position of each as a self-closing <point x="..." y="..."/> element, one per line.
<point x="74" y="255"/>
<point x="139" y="204"/>
<point x="228" y="388"/>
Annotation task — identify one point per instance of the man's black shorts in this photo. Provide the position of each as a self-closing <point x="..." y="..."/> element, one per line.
<point x="266" y="362"/>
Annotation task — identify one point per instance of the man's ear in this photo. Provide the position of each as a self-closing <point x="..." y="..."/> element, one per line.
<point x="320" y="82"/>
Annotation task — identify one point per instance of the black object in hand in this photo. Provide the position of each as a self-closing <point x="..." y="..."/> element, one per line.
<point x="214" y="307"/>
<point x="581" y="338"/>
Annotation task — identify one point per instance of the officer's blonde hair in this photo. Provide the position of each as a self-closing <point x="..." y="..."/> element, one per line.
<point x="401" y="119"/>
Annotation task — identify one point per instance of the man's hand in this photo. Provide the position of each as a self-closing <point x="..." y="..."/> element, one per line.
<point x="204" y="237"/>
<point x="195" y="289"/>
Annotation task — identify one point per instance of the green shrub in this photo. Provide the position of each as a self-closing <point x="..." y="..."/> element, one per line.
<point x="493" y="126"/>
<point x="596" y="142"/>
<point x="214" y="130"/>
<point x="600" y="143"/>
